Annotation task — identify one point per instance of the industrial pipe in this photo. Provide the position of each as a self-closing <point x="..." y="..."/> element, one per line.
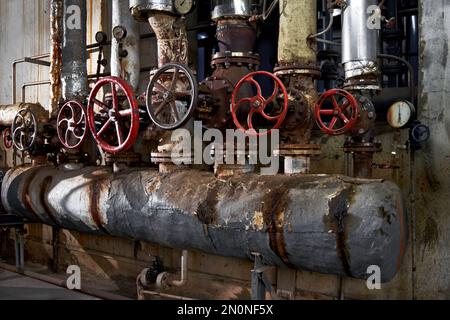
<point x="56" y="32"/>
<point x="8" y="112"/>
<point x="125" y="59"/>
<point x="298" y="20"/>
<point x="360" y="43"/>
<point x="74" y="69"/>
<point x="321" y="223"/>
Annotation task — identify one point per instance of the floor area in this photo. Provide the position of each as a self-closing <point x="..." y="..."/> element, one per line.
<point x="14" y="286"/>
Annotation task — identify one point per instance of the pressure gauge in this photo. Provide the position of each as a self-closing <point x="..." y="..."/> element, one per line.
<point x="183" y="7"/>
<point x="119" y="33"/>
<point x="400" y="114"/>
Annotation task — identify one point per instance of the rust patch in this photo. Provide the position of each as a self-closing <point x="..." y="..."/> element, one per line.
<point x="273" y="214"/>
<point x="207" y="210"/>
<point x="43" y="197"/>
<point x="94" y="206"/>
<point x="337" y="222"/>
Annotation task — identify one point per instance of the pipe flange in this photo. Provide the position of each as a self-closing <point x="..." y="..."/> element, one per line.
<point x="168" y="157"/>
<point x="129" y="158"/>
<point x="294" y="150"/>
<point x="292" y="69"/>
<point x="351" y="147"/>
<point x="227" y="59"/>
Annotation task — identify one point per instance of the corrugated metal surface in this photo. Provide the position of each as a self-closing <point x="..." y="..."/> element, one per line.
<point x="25" y="31"/>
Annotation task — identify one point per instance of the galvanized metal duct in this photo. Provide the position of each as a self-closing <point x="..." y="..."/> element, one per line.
<point x="298" y="20"/>
<point x="327" y="224"/>
<point x="360" y="39"/>
<point x="126" y="66"/>
<point x="74" y="70"/>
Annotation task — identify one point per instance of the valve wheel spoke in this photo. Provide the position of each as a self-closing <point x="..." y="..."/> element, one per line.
<point x="344" y="114"/>
<point x="115" y="126"/>
<point x="259" y="104"/>
<point x="176" y="90"/>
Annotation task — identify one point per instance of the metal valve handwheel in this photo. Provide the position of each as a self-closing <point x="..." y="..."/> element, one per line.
<point x="267" y="108"/>
<point x="24" y="130"/>
<point x="336" y="112"/>
<point x="72" y="124"/>
<point x="7" y="138"/>
<point x="172" y="96"/>
<point x="113" y="115"/>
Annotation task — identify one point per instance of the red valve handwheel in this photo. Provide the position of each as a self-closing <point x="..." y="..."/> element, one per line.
<point x="7" y="138"/>
<point x="258" y="104"/>
<point x="72" y="124"/>
<point x="115" y="122"/>
<point x="340" y="116"/>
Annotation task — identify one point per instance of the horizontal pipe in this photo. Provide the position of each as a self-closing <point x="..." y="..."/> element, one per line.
<point x="321" y="223"/>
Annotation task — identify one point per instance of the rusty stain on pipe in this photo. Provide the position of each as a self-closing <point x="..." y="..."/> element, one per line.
<point x="314" y="223"/>
<point x="172" y="39"/>
<point x="56" y="29"/>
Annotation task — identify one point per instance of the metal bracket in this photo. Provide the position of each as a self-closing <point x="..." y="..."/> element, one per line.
<point x="37" y="61"/>
<point x="260" y="282"/>
<point x="19" y="249"/>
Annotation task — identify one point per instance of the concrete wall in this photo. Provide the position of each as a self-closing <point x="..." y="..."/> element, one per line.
<point x="118" y="261"/>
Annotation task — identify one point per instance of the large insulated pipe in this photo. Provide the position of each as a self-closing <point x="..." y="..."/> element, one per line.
<point x="298" y="20"/>
<point x="125" y="60"/>
<point x="327" y="224"/>
<point x="360" y="38"/>
<point x="8" y="112"/>
<point x="74" y="70"/>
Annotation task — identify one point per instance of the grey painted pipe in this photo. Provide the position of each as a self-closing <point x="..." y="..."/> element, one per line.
<point x="74" y="69"/>
<point x="128" y="67"/>
<point x="321" y="223"/>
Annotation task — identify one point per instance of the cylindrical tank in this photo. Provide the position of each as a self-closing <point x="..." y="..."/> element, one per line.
<point x="327" y="224"/>
<point x="127" y="67"/>
<point x="74" y="69"/>
<point x="360" y="38"/>
<point x="298" y="20"/>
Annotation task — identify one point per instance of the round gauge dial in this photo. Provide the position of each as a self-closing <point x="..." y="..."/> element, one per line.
<point x="183" y="7"/>
<point x="119" y="33"/>
<point x="400" y="113"/>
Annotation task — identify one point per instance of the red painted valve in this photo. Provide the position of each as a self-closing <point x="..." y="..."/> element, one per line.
<point x="7" y="138"/>
<point x="336" y="112"/>
<point x="113" y="115"/>
<point x="267" y="108"/>
<point x="72" y="125"/>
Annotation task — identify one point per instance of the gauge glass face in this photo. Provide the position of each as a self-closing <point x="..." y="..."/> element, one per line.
<point x="183" y="6"/>
<point x="400" y="114"/>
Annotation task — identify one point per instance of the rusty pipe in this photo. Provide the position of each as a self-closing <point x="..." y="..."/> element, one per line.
<point x="56" y="32"/>
<point x="171" y="36"/>
<point x="321" y="223"/>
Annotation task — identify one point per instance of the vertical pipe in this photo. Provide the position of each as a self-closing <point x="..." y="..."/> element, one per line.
<point x="126" y="67"/>
<point x="56" y="9"/>
<point x="298" y="20"/>
<point x="74" y="70"/>
<point x="172" y="39"/>
<point x="360" y="40"/>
